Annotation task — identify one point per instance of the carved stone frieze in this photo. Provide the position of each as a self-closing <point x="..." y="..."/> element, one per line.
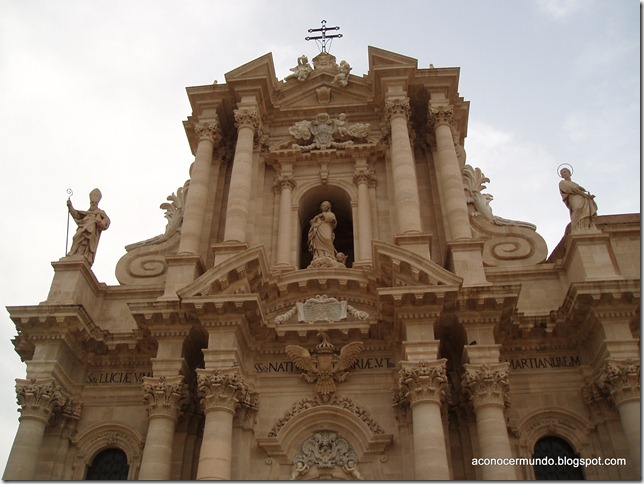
<point x="39" y="398"/>
<point x="325" y="450"/>
<point x="345" y="403"/>
<point x="165" y="396"/>
<point x="487" y="384"/>
<point x="224" y="390"/>
<point x="422" y="381"/>
<point x="325" y="132"/>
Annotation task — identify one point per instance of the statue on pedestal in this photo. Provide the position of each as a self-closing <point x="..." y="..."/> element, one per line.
<point x="90" y="225"/>
<point x="321" y="237"/>
<point x="579" y="201"/>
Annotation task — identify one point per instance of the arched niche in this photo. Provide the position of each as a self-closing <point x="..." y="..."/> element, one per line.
<point x="308" y="203"/>
<point x="365" y="436"/>
<point x="107" y="435"/>
<point x="555" y="422"/>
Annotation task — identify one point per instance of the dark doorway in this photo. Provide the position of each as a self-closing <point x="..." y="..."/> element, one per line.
<point x="554" y="448"/>
<point x="108" y="465"/>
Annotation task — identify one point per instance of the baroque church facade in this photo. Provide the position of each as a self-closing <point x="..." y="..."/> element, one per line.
<point x="333" y="298"/>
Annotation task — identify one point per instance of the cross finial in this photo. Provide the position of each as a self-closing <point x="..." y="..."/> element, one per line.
<point x="323" y="39"/>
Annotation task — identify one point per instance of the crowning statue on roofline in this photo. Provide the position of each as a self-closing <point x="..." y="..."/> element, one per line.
<point x="321" y="237"/>
<point x="90" y="223"/>
<point x="579" y="201"/>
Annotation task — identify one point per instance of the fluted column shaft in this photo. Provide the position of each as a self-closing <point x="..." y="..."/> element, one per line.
<point x="193" y="218"/>
<point x="165" y="397"/>
<point x="247" y="121"/>
<point x="449" y="171"/>
<point x="221" y="393"/>
<point x="38" y="399"/>
<point x="285" y="224"/>
<point x="404" y="171"/>
<point x="488" y="388"/>
<point x="423" y="385"/>
<point x="365" y="232"/>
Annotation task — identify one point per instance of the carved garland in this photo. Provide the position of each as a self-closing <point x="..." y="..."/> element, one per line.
<point x="345" y="403"/>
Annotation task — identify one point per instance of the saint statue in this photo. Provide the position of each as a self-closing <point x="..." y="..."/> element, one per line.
<point x="90" y="225"/>
<point x="579" y="201"/>
<point x="321" y="237"/>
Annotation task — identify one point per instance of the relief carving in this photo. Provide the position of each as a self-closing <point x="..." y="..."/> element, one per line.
<point x="425" y="381"/>
<point x="325" y="450"/>
<point x="227" y="391"/>
<point x="165" y="396"/>
<point x="145" y="261"/>
<point x="324" y="367"/>
<point x="487" y="384"/>
<point x="325" y="132"/>
<point x="39" y="398"/>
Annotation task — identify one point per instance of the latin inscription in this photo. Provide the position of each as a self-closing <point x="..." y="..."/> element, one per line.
<point x="116" y="377"/>
<point x="544" y="362"/>
<point x="289" y="366"/>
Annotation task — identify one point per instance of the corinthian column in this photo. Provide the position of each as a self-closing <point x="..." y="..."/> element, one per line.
<point x="449" y="172"/>
<point x="165" y="398"/>
<point x="404" y="172"/>
<point x="620" y="381"/>
<point x="247" y="122"/>
<point x="221" y="394"/>
<point x="363" y="179"/>
<point x="488" y="388"/>
<point x="209" y="133"/>
<point x="423" y="385"/>
<point x="37" y="399"/>
<point x="286" y="185"/>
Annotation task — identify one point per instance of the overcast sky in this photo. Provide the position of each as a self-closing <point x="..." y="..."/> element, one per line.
<point x="92" y="94"/>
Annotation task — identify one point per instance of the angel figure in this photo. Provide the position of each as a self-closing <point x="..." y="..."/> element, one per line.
<point x="342" y="77"/>
<point x="324" y="367"/>
<point x="301" y="71"/>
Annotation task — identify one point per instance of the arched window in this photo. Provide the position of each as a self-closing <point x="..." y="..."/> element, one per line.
<point x="554" y="449"/>
<point x="108" y="465"/>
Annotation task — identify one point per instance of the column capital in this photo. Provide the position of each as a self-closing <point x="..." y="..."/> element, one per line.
<point x="364" y="176"/>
<point x="39" y="398"/>
<point x="282" y="182"/>
<point x="208" y="130"/>
<point x="165" y="396"/>
<point x="437" y="115"/>
<point x="423" y="381"/>
<point x="247" y="118"/>
<point x="397" y="107"/>
<point x="224" y="391"/>
<point x="487" y="384"/>
<point x="619" y="380"/>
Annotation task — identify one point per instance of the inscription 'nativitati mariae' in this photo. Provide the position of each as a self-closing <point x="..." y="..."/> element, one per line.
<point x="544" y="362"/>
<point x="116" y="377"/>
<point x="288" y="366"/>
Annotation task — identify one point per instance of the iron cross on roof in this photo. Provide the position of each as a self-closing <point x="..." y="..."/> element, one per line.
<point x="324" y="38"/>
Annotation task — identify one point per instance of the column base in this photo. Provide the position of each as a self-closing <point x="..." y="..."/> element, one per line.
<point x="590" y="257"/>
<point x="182" y="270"/>
<point x="226" y="250"/>
<point x="418" y="243"/>
<point x="465" y="259"/>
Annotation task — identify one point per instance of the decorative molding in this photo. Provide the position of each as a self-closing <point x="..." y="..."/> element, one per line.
<point x="440" y="115"/>
<point x="397" y="107"/>
<point x="208" y="131"/>
<point x="247" y="118"/>
<point x="619" y="380"/>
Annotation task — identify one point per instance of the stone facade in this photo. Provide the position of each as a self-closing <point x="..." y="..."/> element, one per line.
<point x="399" y="331"/>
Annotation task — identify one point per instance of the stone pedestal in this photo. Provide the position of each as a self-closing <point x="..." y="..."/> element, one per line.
<point x="590" y="257"/>
<point x="465" y="259"/>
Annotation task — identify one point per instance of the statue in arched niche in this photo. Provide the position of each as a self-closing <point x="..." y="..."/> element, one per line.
<point x="320" y="239"/>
